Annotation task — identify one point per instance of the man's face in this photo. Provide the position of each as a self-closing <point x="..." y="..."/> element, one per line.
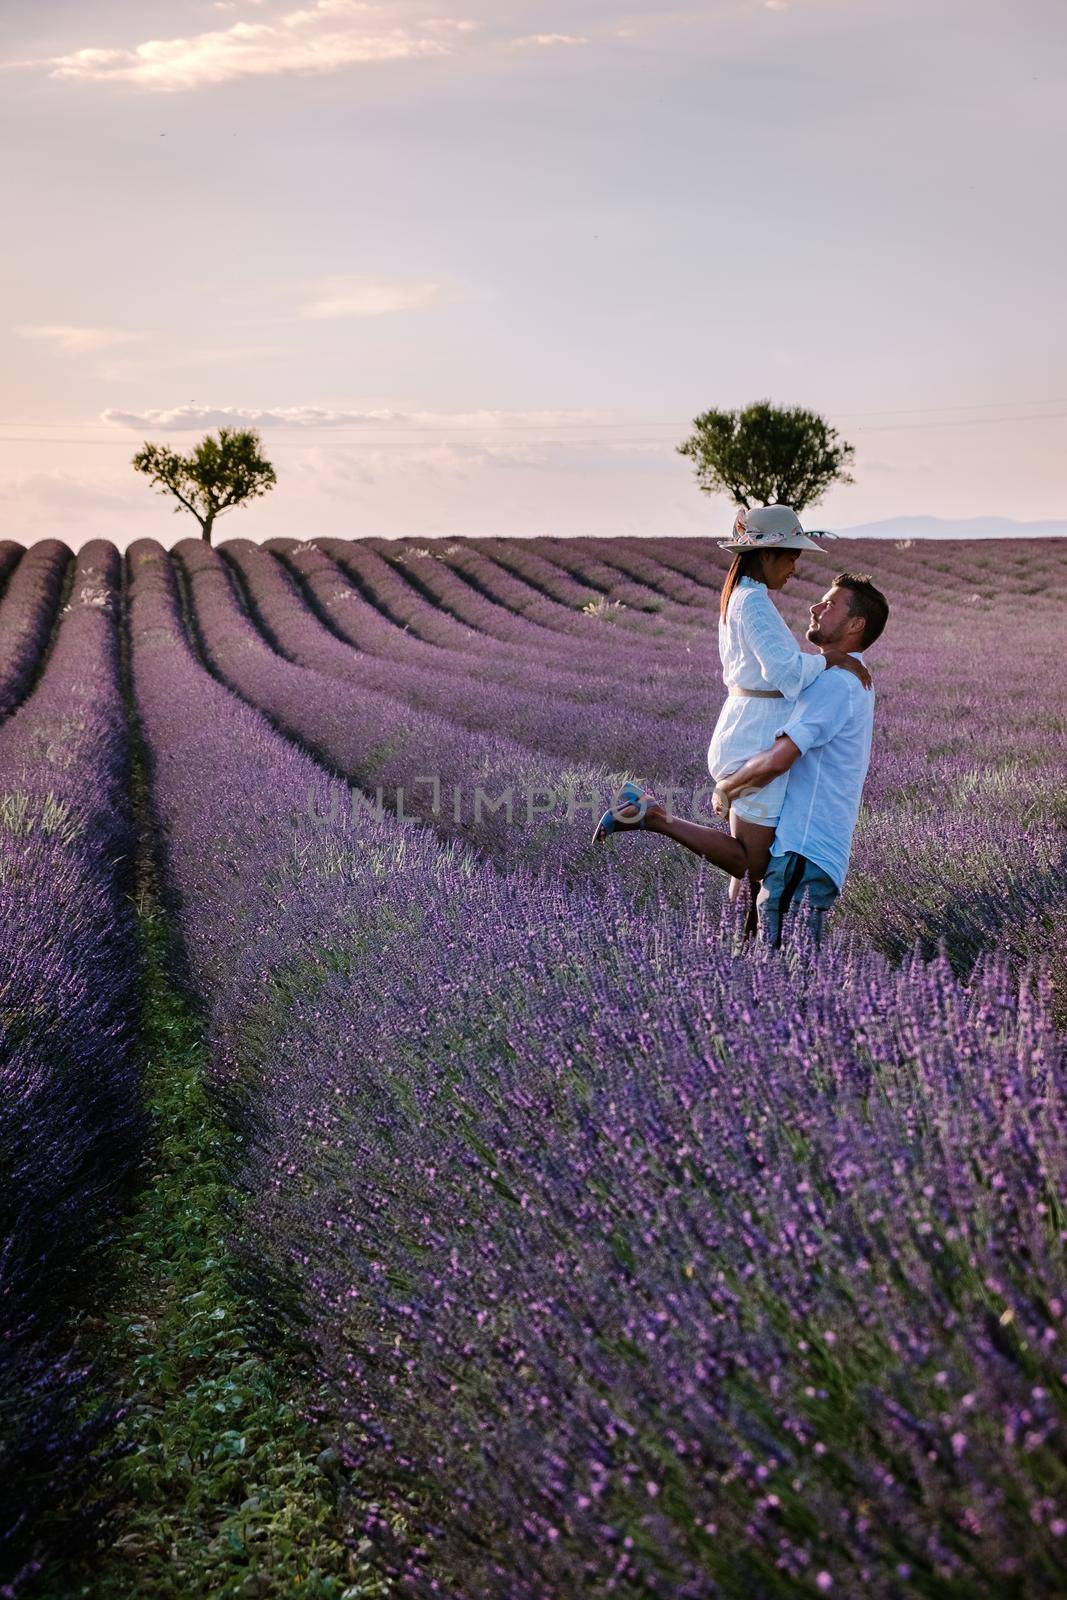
<point x="832" y="622"/>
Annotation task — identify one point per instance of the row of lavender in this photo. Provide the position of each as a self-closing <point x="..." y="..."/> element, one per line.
<point x="72" y="948"/>
<point x="972" y="681"/>
<point x="962" y="836"/>
<point x="35" y="581"/>
<point x="71" y="1125"/>
<point x="995" y="860"/>
<point x="430" y="766"/>
<point x="587" y="742"/>
<point x="963" y="810"/>
<point x="528" y="675"/>
<point x="616" y="1293"/>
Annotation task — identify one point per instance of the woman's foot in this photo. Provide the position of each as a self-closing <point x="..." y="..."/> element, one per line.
<point x="631" y="810"/>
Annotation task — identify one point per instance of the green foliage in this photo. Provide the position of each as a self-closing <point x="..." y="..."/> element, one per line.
<point x="767" y="455"/>
<point x="215" y="476"/>
<point x="225" y="1490"/>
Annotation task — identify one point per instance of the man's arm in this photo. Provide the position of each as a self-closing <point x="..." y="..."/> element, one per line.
<point x="817" y="716"/>
<point x="756" y="773"/>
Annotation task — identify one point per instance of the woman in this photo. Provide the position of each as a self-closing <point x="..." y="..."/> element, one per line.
<point x="763" y="668"/>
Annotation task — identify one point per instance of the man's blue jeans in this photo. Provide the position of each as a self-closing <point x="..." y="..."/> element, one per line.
<point x="792" y="881"/>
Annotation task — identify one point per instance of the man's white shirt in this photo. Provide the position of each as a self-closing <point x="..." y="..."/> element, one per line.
<point x="831" y="725"/>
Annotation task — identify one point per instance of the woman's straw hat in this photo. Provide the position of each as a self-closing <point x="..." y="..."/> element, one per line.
<point x="771" y="528"/>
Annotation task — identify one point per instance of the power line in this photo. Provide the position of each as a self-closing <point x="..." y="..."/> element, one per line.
<point x="930" y="411"/>
<point x="963" y="422"/>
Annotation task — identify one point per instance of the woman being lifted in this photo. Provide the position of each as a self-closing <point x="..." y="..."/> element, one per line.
<point x="764" y="670"/>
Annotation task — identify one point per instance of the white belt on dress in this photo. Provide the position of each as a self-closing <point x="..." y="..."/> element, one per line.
<point x="756" y="694"/>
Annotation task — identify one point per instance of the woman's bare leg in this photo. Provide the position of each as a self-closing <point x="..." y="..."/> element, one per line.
<point x="757" y="841"/>
<point x="743" y="852"/>
<point x="721" y="849"/>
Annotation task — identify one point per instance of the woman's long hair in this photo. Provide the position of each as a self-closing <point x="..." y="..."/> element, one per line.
<point x="746" y="564"/>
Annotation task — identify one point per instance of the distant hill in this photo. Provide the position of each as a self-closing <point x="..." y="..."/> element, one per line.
<point x="955" y="528"/>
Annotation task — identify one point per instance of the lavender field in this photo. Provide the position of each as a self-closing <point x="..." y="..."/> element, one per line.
<point x="403" y="1196"/>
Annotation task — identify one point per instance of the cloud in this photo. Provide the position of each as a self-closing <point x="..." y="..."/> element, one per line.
<point x="534" y="40"/>
<point x="332" y="473"/>
<point x="66" y="340"/>
<point x="41" y="496"/>
<point x="368" y="297"/>
<point x="776" y="5"/>
<point x="152" y="359"/>
<point x="479" y="464"/>
<point x="195" y="417"/>
<point x="449" y="25"/>
<point x="324" y="37"/>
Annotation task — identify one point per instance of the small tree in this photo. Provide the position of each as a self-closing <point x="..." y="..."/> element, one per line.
<point x="216" y="476"/>
<point x="767" y="455"/>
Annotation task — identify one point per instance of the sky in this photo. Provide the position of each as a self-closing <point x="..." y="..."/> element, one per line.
<point x="474" y="268"/>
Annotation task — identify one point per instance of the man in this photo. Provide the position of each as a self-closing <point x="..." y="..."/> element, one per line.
<point x="825" y="746"/>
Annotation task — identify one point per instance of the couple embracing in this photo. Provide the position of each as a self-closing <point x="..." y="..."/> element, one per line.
<point x="790" y="751"/>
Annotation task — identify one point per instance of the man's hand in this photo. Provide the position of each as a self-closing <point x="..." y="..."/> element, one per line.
<point x="841" y="658"/>
<point x="757" y="772"/>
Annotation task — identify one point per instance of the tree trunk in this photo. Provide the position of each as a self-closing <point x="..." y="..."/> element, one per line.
<point x="206" y="526"/>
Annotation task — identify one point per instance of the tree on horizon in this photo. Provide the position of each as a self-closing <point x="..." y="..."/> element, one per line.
<point x="767" y="455"/>
<point x="217" y="474"/>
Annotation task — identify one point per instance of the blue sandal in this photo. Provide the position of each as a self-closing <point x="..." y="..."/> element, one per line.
<point x="629" y="795"/>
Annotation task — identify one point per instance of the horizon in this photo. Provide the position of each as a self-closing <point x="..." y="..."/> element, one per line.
<point x="474" y="273"/>
<point x="890" y="533"/>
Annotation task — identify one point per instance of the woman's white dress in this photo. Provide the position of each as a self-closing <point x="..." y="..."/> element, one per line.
<point x="758" y="652"/>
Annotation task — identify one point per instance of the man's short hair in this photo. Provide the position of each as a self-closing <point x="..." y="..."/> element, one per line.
<point x="865" y="601"/>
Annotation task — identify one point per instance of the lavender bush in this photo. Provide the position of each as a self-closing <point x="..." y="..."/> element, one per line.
<point x="602" y="1320"/>
<point x="606" y="735"/>
<point x="427" y="568"/>
<point x="633" y="1266"/>
<point x="627" y="556"/>
<point x="652" y="685"/>
<point x="579" y="558"/>
<point x="27" y="614"/>
<point x="71" y="1123"/>
<point x="510" y="802"/>
<point x="504" y="587"/>
<point x="342" y="600"/>
<point x="630" y="1262"/>
<point x="386" y="589"/>
<point x="516" y="556"/>
<point x="423" y="567"/>
<point x="10" y="556"/>
<point x="963" y="809"/>
<point x="501" y="584"/>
